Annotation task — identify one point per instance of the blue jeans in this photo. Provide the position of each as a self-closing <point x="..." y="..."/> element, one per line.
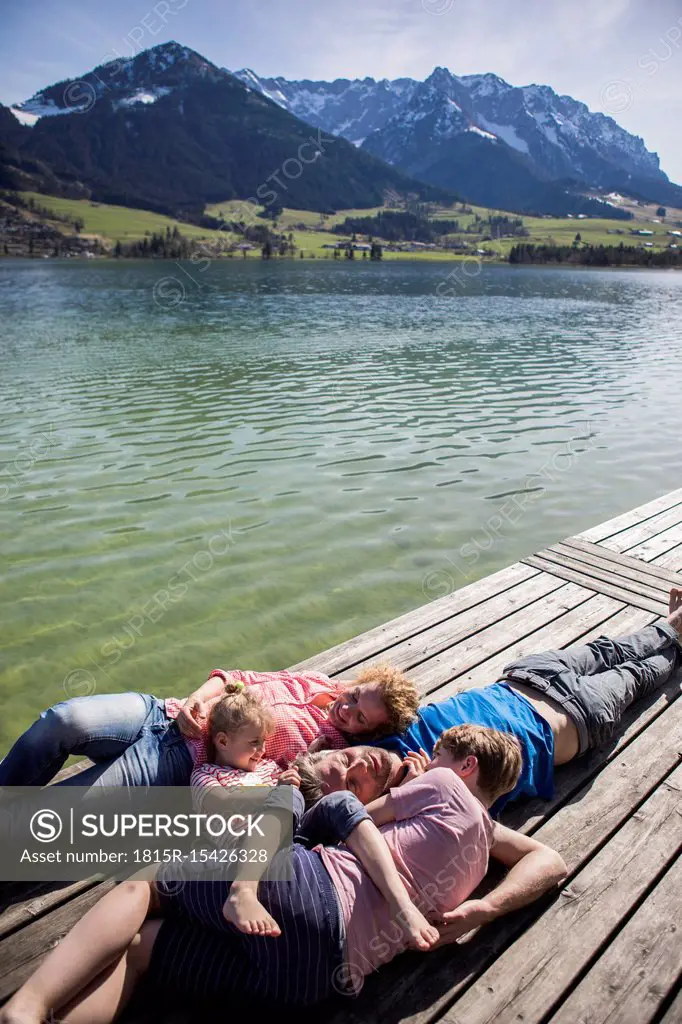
<point x="128" y="736"/>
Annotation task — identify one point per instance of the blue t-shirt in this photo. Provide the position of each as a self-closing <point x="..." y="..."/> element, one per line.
<point x="499" y="707"/>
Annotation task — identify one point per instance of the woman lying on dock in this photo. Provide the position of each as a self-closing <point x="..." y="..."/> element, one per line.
<point x="136" y="739"/>
<point x="344" y="911"/>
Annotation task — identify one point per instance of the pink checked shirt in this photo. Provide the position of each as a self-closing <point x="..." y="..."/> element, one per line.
<point x="296" y="699"/>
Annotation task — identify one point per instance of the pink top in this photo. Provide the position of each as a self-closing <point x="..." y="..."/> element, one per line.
<point x="297" y="701"/>
<point x="439" y="843"/>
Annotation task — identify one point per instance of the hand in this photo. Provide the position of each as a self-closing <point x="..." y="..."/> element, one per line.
<point x="416" y="765"/>
<point x="468" y="915"/>
<point x="289" y="777"/>
<point x="192" y="718"/>
<point x="319" y="743"/>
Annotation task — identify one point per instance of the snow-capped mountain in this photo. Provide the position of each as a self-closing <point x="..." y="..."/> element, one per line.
<point x="353" y="109"/>
<point x="519" y="148"/>
<point x="170" y="131"/>
<point x="451" y="130"/>
<point x="561" y="136"/>
<point x="142" y="79"/>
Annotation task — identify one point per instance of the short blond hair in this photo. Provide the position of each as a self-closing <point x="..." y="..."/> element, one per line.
<point x="398" y="693"/>
<point x="498" y="755"/>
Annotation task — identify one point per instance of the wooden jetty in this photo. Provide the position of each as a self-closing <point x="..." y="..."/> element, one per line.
<point x="607" y="947"/>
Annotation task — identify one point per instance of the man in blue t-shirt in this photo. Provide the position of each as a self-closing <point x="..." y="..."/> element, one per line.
<point x="558" y="704"/>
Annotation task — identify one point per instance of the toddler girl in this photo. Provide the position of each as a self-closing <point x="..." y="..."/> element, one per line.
<point x="231" y="752"/>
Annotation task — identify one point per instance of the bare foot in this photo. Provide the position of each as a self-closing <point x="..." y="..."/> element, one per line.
<point x="245" y="911"/>
<point x="419" y="933"/>
<point x="675" y="609"/>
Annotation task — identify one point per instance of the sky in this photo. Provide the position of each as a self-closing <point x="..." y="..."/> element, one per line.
<point x="621" y="57"/>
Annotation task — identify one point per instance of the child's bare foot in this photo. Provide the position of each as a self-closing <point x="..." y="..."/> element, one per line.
<point x="420" y="934"/>
<point x="675" y="609"/>
<point x="23" y="1009"/>
<point x="245" y="911"/>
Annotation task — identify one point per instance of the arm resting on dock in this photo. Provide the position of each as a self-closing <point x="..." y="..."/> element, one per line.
<point x="534" y="869"/>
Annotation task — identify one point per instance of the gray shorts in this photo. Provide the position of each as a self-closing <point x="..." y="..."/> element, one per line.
<point x="596" y="682"/>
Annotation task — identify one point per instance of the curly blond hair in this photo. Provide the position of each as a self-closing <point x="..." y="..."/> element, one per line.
<point x="400" y="696"/>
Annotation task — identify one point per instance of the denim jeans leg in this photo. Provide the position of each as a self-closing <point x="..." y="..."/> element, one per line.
<point x="159" y="757"/>
<point x="100" y="727"/>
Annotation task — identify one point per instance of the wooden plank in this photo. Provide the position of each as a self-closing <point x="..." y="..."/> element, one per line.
<point x="595" y="617"/>
<point x="630" y="981"/>
<point x="622" y="623"/>
<point x="617" y="592"/>
<point x="644" y="531"/>
<point x="673" y="1014"/>
<point x="658" y="545"/>
<point x="670" y="560"/>
<point x="491" y="637"/>
<point x="598" y="533"/>
<point x="657" y="592"/>
<point x="39" y="901"/>
<point x="378" y="640"/>
<point x="71" y="770"/>
<point x="418" y="988"/>
<point x="21" y="952"/>
<point x="606" y="558"/>
<point x="532" y="974"/>
<point x="558" y="632"/>
<point x="446" y="635"/>
<point x="629" y="620"/>
<point x="659" y="747"/>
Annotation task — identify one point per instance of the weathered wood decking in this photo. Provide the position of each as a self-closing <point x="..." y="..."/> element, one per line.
<point x="607" y="947"/>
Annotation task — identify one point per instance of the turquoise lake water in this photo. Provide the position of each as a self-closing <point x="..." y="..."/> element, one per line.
<point x="244" y="464"/>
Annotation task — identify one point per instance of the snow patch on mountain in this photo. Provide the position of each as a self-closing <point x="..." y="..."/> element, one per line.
<point x="507" y="133"/>
<point x="479" y="131"/>
<point x="30" y="111"/>
<point x="145" y="96"/>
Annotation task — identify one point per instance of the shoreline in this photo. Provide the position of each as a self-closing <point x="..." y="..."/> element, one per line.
<point x="392" y="258"/>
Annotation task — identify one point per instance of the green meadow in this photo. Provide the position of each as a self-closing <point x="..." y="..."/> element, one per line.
<point x="116" y="223"/>
<point x="313" y="232"/>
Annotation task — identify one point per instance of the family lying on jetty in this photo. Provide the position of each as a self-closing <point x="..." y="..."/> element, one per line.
<point x="394" y="818"/>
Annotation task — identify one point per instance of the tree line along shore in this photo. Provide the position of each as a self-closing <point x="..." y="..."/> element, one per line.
<point x="42" y="226"/>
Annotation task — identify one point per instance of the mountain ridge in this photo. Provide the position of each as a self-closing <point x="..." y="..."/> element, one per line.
<point x="170" y="131"/>
<point x="553" y="137"/>
<point x="220" y="134"/>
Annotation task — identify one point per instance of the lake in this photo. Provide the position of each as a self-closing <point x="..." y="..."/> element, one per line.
<point x="244" y="463"/>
